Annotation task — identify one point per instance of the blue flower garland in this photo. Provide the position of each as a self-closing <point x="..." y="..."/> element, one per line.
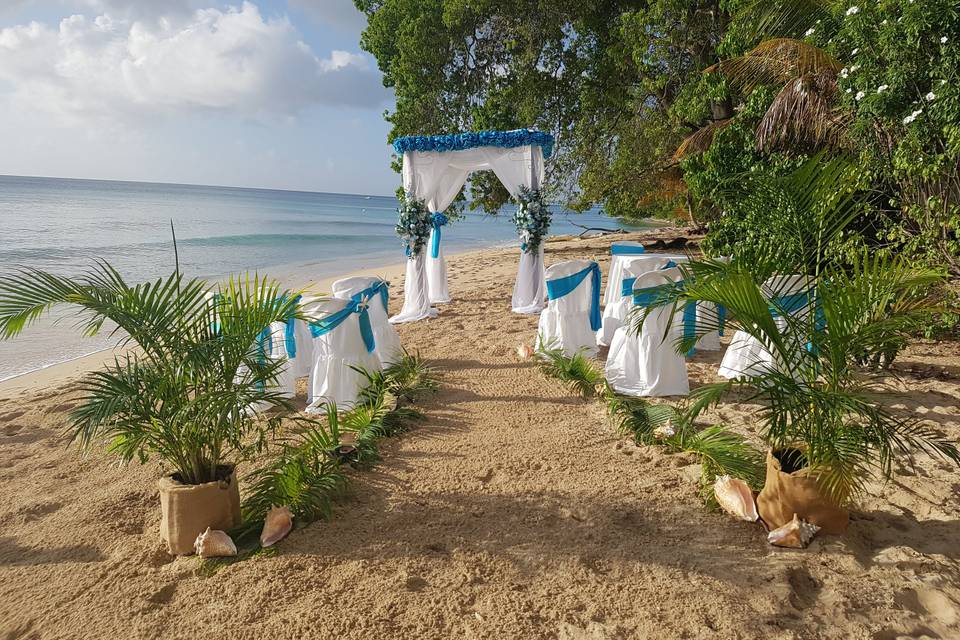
<point x="532" y="219"/>
<point x="473" y="139"/>
<point x="414" y="224"/>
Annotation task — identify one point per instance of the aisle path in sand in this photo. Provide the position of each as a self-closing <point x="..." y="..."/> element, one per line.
<point x="513" y="512"/>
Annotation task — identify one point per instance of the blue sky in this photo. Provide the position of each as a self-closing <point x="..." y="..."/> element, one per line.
<point x="262" y="93"/>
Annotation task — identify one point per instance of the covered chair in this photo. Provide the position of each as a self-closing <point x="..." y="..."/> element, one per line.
<point x="746" y="356"/>
<point x="620" y="254"/>
<point x="648" y="364"/>
<point x="375" y="291"/>
<point x="342" y="338"/>
<point x="572" y="317"/>
<point x="617" y="307"/>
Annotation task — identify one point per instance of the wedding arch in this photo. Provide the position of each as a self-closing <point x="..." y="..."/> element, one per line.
<point x="435" y="168"/>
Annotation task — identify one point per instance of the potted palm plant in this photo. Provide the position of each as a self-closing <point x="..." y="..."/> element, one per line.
<point x="190" y="386"/>
<point x="821" y="414"/>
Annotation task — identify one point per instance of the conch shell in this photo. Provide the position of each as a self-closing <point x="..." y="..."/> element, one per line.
<point x="214" y="544"/>
<point x="276" y="526"/>
<point x="796" y="534"/>
<point x="664" y="431"/>
<point x="525" y="352"/>
<point x="736" y="498"/>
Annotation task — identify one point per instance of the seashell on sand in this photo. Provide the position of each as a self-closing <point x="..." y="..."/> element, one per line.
<point x="525" y="352"/>
<point x="796" y="534"/>
<point x="664" y="431"/>
<point x="214" y="543"/>
<point x="736" y="498"/>
<point x="276" y="526"/>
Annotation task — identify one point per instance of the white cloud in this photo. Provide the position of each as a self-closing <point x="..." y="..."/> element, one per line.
<point x="231" y="60"/>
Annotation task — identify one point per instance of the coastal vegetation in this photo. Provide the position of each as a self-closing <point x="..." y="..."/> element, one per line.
<point x="689" y="109"/>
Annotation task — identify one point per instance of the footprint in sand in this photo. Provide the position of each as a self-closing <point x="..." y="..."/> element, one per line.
<point x="804" y="588"/>
<point x="13" y="415"/>
<point x="929" y="602"/>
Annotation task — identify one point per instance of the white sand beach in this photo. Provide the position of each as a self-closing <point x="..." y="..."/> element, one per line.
<point x="514" y="511"/>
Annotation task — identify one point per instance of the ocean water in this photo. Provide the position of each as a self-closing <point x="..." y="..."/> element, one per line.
<point x="63" y="225"/>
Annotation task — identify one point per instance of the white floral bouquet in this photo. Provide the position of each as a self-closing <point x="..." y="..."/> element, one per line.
<point x="414" y="225"/>
<point x="532" y="219"/>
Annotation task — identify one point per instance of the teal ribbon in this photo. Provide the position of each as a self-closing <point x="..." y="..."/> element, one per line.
<point x="559" y="287"/>
<point x="334" y="320"/>
<point x="782" y="305"/>
<point x="438" y="221"/>
<point x="625" y="250"/>
<point x="722" y="317"/>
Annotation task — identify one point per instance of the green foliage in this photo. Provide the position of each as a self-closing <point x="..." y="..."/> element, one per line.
<point x="816" y="398"/>
<point x="719" y="451"/>
<point x="306" y="475"/>
<point x="615" y="82"/>
<point x="193" y="389"/>
<point x="578" y="373"/>
<point x="303" y="477"/>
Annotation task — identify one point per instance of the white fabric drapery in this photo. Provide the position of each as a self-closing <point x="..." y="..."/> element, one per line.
<point x="436" y="177"/>
<point x="565" y="323"/>
<point x="648" y="364"/>
<point x="388" y="347"/>
<point x="746" y="356"/>
<point x="618" y="305"/>
<point x="335" y="354"/>
<point x="615" y="277"/>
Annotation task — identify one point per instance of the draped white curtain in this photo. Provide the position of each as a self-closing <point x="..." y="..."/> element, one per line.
<point x="436" y="177"/>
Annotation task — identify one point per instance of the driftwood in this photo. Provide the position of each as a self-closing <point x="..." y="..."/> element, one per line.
<point x="602" y="231"/>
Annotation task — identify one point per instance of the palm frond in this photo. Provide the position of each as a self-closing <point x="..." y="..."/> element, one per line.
<point x="803" y="115"/>
<point x="700" y="140"/>
<point x="776" y="61"/>
<point x="577" y="372"/>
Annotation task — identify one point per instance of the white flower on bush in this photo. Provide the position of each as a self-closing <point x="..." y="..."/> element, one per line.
<point x="855" y="52"/>
<point x="884" y="21"/>
<point x="844" y="73"/>
<point x="913" y="116"/>
<point x="849" y="90"/>
<point x="930" y="96"/>
<point x="854" y="10"/>
<point x="943" y="40"/>
<point x="854" y="68"/>
<point x="859" y="95"/>
<point x="809" y="32"/>
<point x="882" y="88"/>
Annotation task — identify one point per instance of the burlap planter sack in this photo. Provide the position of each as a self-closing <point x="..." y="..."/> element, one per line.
<point x="188" y="509"/>
<point x="785" y="494"/>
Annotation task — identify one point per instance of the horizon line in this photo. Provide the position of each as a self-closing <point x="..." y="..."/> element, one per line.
<point x="195" y="184"/>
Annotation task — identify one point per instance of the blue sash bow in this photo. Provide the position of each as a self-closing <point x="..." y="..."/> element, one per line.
<point x="334" y="320"/>
<point x="380" y="287"/>
<point x="650" y="296"/>
<point x="625" y="250"/>
<point x="438" y="221"/>
<point x="559" y="287"/>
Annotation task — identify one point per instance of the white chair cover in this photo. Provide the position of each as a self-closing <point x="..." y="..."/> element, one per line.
<point x="332" y="378"/>
<point x="647" y="364"/>
<point x="388" y="347"/>
<point x="416" y="296"/>
<point x="619" y="306"/>
<point x="615" y="277"/>
<point x="436" y="177"/>
<point x="565" y="323"/>
<point x="746" y="356"/>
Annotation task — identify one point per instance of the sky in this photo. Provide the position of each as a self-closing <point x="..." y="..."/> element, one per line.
<point x="259" y="93"/>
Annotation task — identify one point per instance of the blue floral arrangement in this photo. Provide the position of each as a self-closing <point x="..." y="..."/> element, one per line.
<point x="532" y="219"/>
<point x="472" y="139"/>
<point x="414" y="225"/>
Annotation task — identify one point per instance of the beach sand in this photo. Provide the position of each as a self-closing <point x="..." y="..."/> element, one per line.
<point x="514" y="511"/>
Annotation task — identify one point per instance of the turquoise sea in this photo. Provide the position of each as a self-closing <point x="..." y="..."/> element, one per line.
<point x="62" y="225"/>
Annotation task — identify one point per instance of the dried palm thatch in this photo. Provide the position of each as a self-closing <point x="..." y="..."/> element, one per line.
<point x="776" y="61"/>
<point x="803" y="115"/>
<point x="700" y="140"/>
